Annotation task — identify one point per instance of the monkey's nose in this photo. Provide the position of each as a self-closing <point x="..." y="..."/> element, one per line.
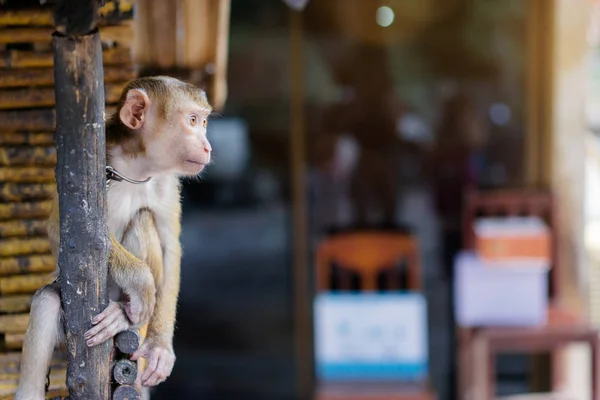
<point x="207" y="147"/>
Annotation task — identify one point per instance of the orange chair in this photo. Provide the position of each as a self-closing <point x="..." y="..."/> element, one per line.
<point x="369" y="255"/>
<point x="478" y="346"/>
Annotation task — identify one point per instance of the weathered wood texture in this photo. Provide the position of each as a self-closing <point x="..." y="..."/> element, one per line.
<point x="191" y="35"/>
<point x="125" y="372"/>
<point x="17" y="247"/>
<point x="14" y="228"/>
<point x="44" y="97"/>
<point x="16" y="323"/>
<point x="26" y="264"/>
<point x="45" y="59"/>
<point x="28" y="157"/>
<point x="26" y="77"/>
<point x="19" y="192"/>
<point x="14" y="341"/>
<point x="26" y="138"/>
<point x="109" y="34"/>
<point x="127" y="341"/>
<point x="80" y="177"/>
<point x="10" y="364"/>
<point x="15" y="304"/>
<point x="19" y="284"/>
<point x="43" y="16"/>
<point x="39" y="209"/>
<point x="126" y="392"/>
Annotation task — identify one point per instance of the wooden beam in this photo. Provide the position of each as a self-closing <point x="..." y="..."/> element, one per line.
<point x="44" y="97"/>
<point x="43" y="16"/>
<point x="20" y="227"/>
<point x="26" y="174"/>
<point x="302" y="284"/>
<point x="27" y="77"/>
<point x="27" y="155"/>
<point x="38" y="209"/>
<point x="209" y="20"/>
<point x="26" y="191"/>
<point x="23" y="284"/>
<point x="26" y="138"/>
<point x="26" y="265"/>
<point x="15" y="304"/>
<point x="81" y="179"/>
<point x="45" y="59"/>
<point x="219" y="83"/>
<point x="16" y="247"/>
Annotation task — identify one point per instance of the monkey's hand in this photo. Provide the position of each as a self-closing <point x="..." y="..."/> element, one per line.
<point x="161" y="358"/>
<point x="107" y="324"/>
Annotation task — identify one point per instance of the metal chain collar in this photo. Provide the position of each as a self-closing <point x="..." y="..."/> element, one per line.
<point x="113" y="175"/>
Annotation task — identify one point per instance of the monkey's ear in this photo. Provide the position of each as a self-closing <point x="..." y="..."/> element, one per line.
<point x="135" y="110"/>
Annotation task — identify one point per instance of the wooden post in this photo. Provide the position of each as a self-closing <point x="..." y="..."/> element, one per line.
<point x="81" y="177"/>
<point x="302" y="285"/>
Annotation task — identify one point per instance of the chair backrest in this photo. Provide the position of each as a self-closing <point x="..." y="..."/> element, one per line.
<point x="521" y="202"/>
<point x="368" y="255"/>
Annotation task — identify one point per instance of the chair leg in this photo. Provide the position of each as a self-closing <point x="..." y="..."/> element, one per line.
<point x="557" y="362"/>
<point x="481" y="386"/>
<point x="464" y="366"/>
<point x="595" y="359"/>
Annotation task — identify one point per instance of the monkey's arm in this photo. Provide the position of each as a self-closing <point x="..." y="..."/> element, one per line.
<point x="134" y="277"/>
<point x="158" y="346"/>
<point x="142" y="239"/>
<point x="130" y="273"/>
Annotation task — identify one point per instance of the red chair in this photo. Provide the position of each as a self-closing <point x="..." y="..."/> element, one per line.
<point x="479" y="346"/>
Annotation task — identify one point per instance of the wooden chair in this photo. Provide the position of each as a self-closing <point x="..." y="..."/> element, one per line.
<point x="368" y="257"/>
<point x="479" y="346"/>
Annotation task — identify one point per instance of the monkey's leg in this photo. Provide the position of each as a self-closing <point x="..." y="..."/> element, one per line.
<point x="43" y="333"/>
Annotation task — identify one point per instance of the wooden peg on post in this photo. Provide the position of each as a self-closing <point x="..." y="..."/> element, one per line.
<point x="126" y="392"/>
<point x="80" y="177"/>
<point x="127" y="341"/>
<point x="125" y="372"/>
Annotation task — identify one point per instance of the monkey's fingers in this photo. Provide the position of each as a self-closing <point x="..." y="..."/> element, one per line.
<point x="143" y="351"/>
<point x="107" y="328"/>
<point x="104" y="322"/>
<point x="112" y="307"/>
<point x="151" y="370"/>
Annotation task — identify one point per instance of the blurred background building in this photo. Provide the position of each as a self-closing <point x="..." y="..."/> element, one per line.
<point x="338" y="117"/>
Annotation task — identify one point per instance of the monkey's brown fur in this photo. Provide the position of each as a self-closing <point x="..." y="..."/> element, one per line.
<point x="158" y="131"/>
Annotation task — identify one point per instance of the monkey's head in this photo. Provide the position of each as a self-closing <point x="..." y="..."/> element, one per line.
<point x="163" y="121"/>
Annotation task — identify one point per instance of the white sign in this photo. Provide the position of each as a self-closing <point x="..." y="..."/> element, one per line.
<point x="371" y="336"/>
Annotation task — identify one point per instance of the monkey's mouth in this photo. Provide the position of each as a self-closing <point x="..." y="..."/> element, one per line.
<point x="196" y="162"/>
<point x="195" y="167"/>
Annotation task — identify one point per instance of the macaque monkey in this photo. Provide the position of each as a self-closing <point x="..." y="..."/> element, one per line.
<point x="157" y="135"/>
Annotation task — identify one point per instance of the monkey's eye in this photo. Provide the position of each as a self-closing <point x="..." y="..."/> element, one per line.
<point x="204" y="122"/>
<point x="193" y="120"/>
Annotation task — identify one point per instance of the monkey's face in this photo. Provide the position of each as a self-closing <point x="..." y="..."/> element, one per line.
<point x="181" y="145"/>
<point x="174" y="137"/>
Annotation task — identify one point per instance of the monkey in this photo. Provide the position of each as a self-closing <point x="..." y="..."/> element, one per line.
<point x="156" y="137"/>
